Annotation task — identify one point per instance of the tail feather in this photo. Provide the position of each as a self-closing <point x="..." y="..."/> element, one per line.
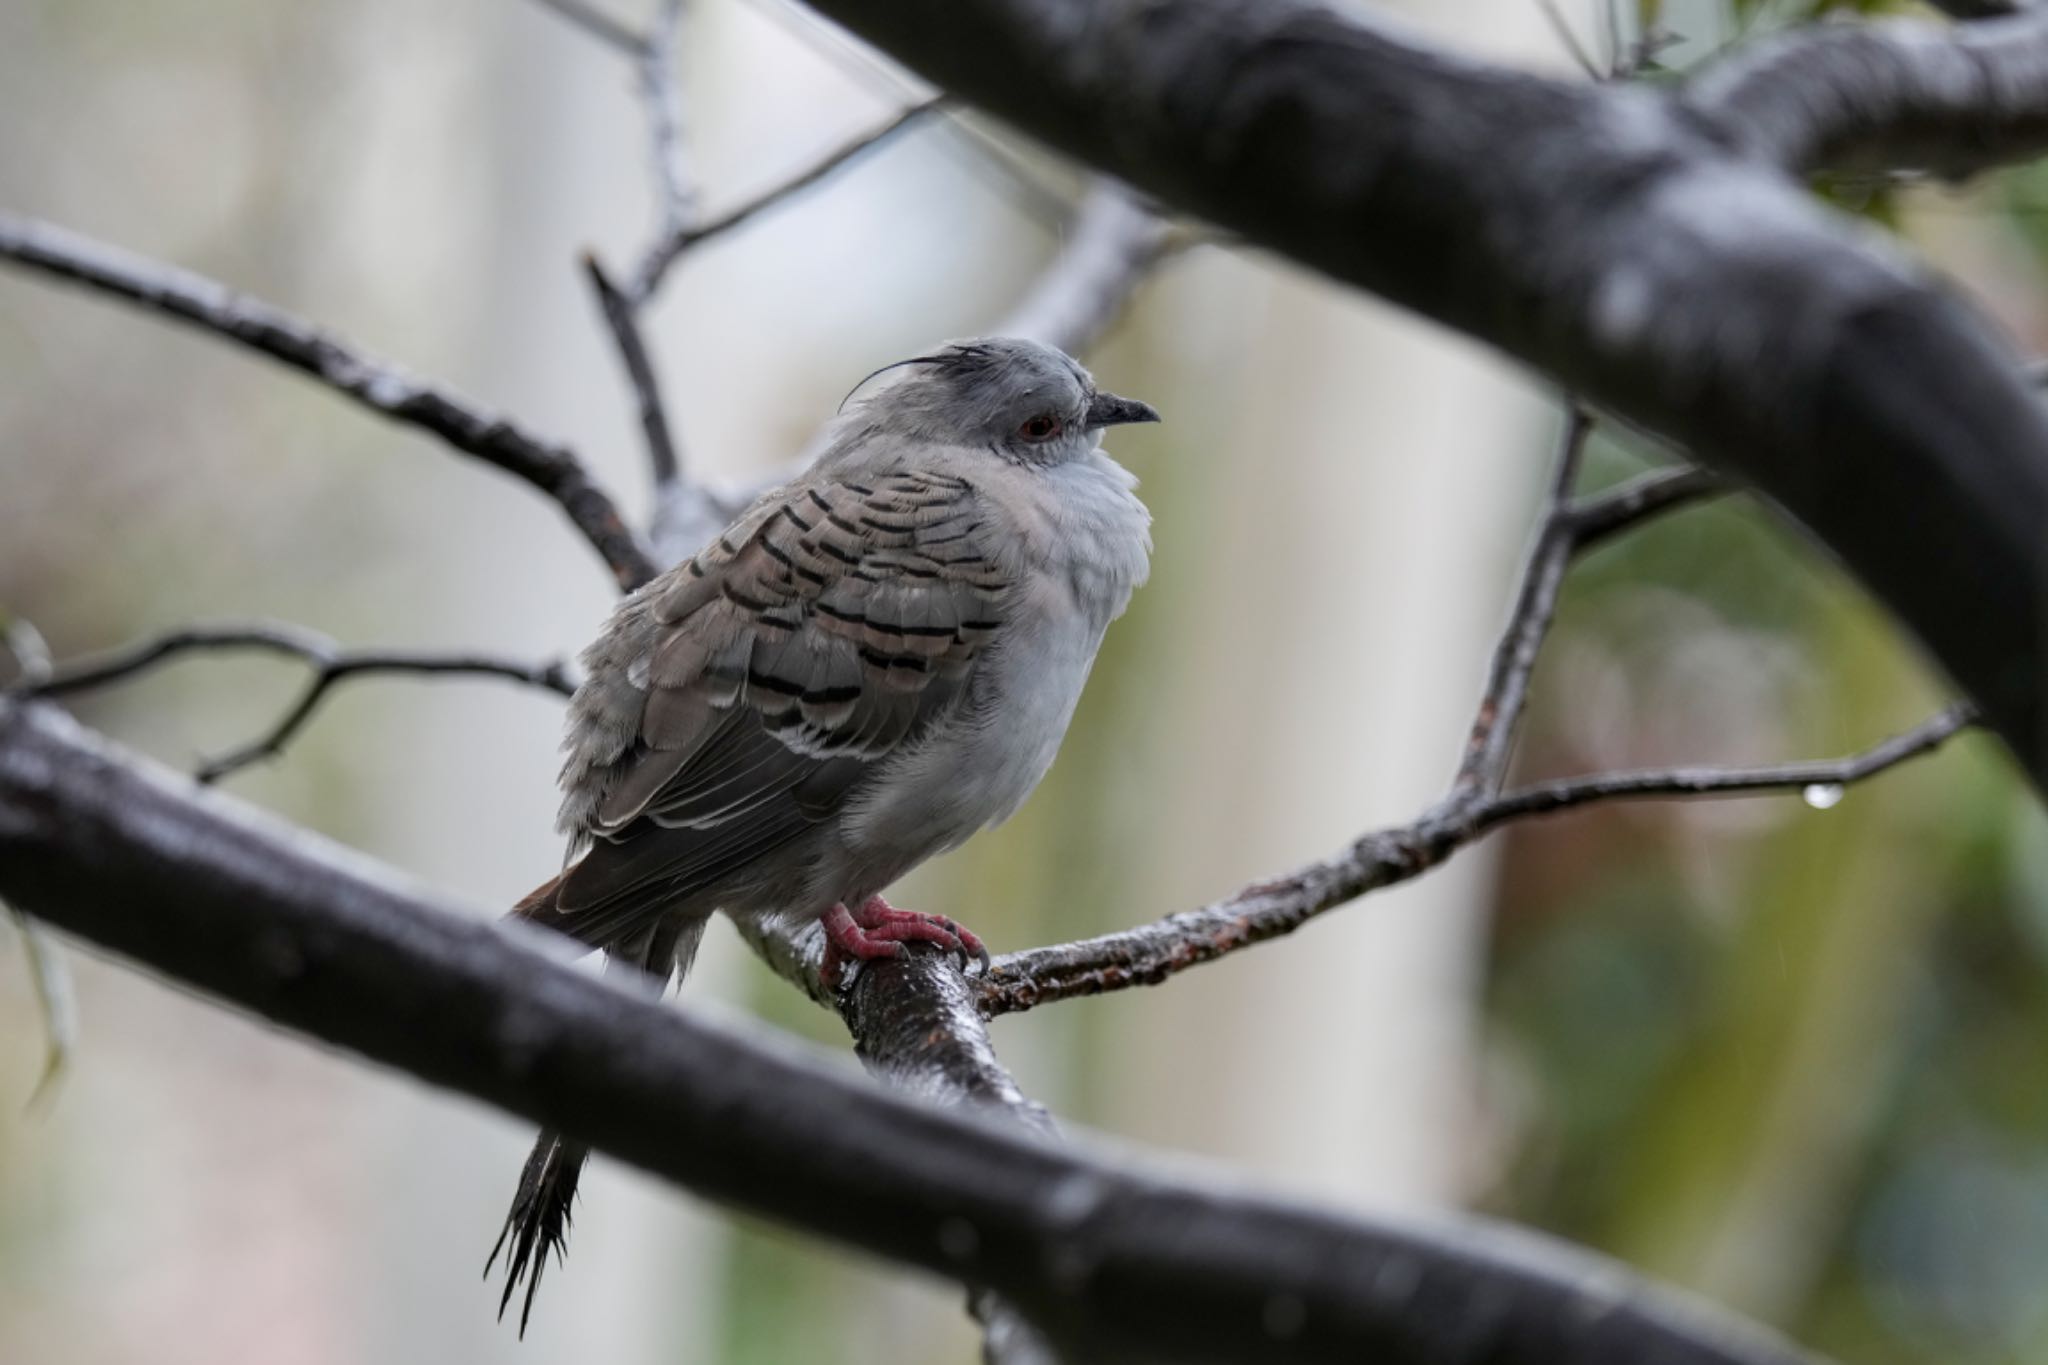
<point x="540" y="902"/>
<point x="541" y="1209"/>
<point x="540" y="1217"/>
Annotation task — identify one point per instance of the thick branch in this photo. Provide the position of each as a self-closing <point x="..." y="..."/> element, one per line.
<point x="1978" y="9"/>
<point x="1115" y="1263"/>
<point x="916" y="1024"/>
<point x="1147" y="955"/>
<point x="548" y="466"/>
<point x="1629" y="243"/>
<point x="1882" y="96"/>
<point x="331" y="664"/>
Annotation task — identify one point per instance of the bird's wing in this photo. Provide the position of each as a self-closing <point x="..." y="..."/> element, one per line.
<point x="825" y="629"/>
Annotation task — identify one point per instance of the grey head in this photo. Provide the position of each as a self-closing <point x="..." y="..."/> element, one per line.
<point x="1025" y="401"/>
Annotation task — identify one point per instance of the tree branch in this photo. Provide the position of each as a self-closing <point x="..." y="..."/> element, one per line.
<point x="331" y="666"/>
<point x="213" y="307"/>
<point x="679" y="238"/>
<point x="684" y="510"/>
<point x="1113" y="246"/>
<point x="1631" y="242"/>
<point x="48" y="974"/>
<point x="1568" y="528"/>
<point x="1149" y="954"/>
<point x="1110" y="250"/>
<point x="1111" y="1261"/>
<point x="1978" y="9"/>
<point x="1952" y="99"/>
<point x="623" y="320"/>
<point x="1665" y="490"/>
<point x="56" y="1001"/>
<point x="1819" y="781"/>
<point x="1491" y="742"/>
<point x="596" y="23"/>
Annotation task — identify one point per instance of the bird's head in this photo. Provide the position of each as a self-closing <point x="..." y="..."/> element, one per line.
<point x="1022" y="400"/>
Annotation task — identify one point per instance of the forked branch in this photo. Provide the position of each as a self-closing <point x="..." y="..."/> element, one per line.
<point x="1149" y="954"/>
<point x="331" y="666"/>
<point x="1475" y="804"/>
<point x="374" y="384"/>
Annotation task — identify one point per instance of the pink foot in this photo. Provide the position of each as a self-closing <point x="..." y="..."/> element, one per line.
<point x="879" y="929"/>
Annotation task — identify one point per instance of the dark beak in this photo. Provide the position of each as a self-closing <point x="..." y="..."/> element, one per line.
<point x="1108" y="410"/>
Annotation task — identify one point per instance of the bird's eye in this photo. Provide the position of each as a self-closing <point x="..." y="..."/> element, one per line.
<point x="1038" y="428"/>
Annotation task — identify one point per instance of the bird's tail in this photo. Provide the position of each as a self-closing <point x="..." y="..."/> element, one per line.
<point x="539" y="902"/>
<point x="538" y="1222"/>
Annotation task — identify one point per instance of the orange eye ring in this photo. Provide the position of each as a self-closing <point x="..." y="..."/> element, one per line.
<point x="1040" y="428"/>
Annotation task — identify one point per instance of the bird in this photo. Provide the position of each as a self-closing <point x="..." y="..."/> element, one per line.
<point x="871" y="664"/>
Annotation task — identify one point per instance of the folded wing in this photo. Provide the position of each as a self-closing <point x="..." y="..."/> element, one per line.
<point x="832" y="625"/>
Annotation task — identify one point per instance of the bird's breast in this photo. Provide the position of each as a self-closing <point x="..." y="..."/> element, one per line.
<point x="977" y="767"/>
<point x="1081" y="525"/>
<point x="1076" y="544"/>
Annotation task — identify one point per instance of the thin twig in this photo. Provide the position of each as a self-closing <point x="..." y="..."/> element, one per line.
<point x="662" y="254"/>
<point x="56" y="1002"/>
<point x="1114" y="244"/>
<point x="663" y="457"/>
<point x="49" y="975"/>
<point x="1149" y="954"/>
<point x="681" y="507"/>
<point x="1562" y="27"/>
<point x="30" y="652"/>
<point x="331" y="665"/>
<point x="1603" y="515"/>
<point x="975" y="149"/>
<point x="1617" y="46"/>
<point x="1491" y="742"/>
<point x="1569" y="527"/>
<point x="552" y="676"/>
<point x="173" y="292"/>
<point x="1820" y="780"/>
<point x="675" y="193"/>
<point x="674" y="184"/>
<point x="596" y="23"/>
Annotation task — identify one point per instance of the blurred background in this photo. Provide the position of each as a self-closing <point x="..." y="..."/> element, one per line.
<point x="1786" y="1057"/>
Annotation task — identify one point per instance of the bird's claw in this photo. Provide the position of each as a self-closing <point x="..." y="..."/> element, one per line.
<point x="879" y="929"/>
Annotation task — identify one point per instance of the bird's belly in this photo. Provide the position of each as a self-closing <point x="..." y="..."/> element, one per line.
<point x="978" y="770"/>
